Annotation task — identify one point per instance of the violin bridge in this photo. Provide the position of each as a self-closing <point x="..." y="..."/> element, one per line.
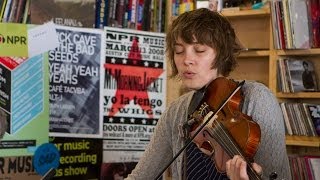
<point x="211" y="120"/>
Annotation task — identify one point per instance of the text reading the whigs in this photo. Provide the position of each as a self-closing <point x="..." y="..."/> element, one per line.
<point x="65" y="68"/>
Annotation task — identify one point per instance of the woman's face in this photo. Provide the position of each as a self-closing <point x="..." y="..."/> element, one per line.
<point x="194" y="62"/>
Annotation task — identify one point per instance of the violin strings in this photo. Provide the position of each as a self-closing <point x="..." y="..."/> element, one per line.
<point x="231" y="147"/>
<point x="220" y="134"/>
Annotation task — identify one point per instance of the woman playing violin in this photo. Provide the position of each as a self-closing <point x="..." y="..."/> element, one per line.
<point x="202" y="47"/>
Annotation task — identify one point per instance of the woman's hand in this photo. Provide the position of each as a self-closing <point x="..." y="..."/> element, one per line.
<point x="237" y="168"/>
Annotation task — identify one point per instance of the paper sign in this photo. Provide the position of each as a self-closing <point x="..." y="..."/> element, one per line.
<point x="42" y="39"/>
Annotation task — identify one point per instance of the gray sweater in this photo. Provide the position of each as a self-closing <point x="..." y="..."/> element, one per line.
<point x="259" y="103"/>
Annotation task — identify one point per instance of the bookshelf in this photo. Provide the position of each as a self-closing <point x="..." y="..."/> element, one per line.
<point x="255" y="55"/>
<point x="303" y="142"/>
<point x="261" y="57"/>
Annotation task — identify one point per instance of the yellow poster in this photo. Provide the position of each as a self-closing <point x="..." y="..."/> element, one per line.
<point x="13" y="40"/>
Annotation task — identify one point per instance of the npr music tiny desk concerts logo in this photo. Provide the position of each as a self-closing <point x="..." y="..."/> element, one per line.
<point x="15" y="40"/>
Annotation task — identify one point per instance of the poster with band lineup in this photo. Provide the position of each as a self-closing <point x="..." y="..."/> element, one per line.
<point x="134" y="94"/>
<point x="76" y="81"/>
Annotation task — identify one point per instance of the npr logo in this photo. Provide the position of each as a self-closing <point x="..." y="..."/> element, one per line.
<point x="16" y="40"/>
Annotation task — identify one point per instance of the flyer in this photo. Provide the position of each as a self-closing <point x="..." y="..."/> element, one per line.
<point x="134" y="91"/>
<point x="76" y="80"/>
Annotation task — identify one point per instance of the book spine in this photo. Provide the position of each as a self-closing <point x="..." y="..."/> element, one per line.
<point x="13" y="11"/>
<point x="7" y="11"/>
<point x="106" y="12"/>
<point x="314" y="8"/>
<point x="98" y="14"/>
<point x="175" y="7"/>
<point x="3" y="7"/>
<point x="159" y="16"/>
<point x="286" y="118"/>
<point x="26" y="13"/>
<point x="20" y="9"/>
<point x="163" y="16"/>
<point x="146" y="16"/>
<point x="140" y="8"/>
<point x="288" y="29"/>
<point x="120" y="13"/>
<point x="282" y="34"/>
<point x="151" y="10"/>
<point x="154" y="16"/>
<point x="110" y="11"/>
<point x="114" y="22"/>
<point x="133" y="14"/>
<point x="125" y="17"/>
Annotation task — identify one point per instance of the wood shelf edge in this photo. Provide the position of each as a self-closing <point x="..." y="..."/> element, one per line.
<point x="245" y="13"/>
<point x="302" y="52"/>
<point x="254" y="53"/>
<point x="298" y="95"/>
<point x="302" y="141"/>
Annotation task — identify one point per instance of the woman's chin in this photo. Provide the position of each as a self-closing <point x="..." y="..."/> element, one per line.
<point x="192" y="85"/>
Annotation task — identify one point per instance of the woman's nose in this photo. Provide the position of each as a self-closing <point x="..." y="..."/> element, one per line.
<point x="189" y="58"/>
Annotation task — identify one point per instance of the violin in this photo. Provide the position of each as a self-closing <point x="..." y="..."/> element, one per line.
<point x="221" y="130"/>
<point x="229" y="132"/>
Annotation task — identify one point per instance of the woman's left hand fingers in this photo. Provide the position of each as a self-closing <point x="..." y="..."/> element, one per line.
<point x="236" y="168"/>
<point x="257" y="168"/>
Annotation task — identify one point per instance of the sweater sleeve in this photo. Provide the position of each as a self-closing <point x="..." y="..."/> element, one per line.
<point x="157" y="153"/>
<point x="263" y="107"/>
<point x="164" y="143"/>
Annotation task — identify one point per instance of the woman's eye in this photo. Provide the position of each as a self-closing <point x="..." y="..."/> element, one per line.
<point x="178" y="51"/>
<point x="200" y="51"/>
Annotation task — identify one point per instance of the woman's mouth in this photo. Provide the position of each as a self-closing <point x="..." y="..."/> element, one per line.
<point x="188" y="74"/>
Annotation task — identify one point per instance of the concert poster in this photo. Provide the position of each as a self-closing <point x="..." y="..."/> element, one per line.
<point x="76" y="81"/>
<point x="134" y="95"/>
